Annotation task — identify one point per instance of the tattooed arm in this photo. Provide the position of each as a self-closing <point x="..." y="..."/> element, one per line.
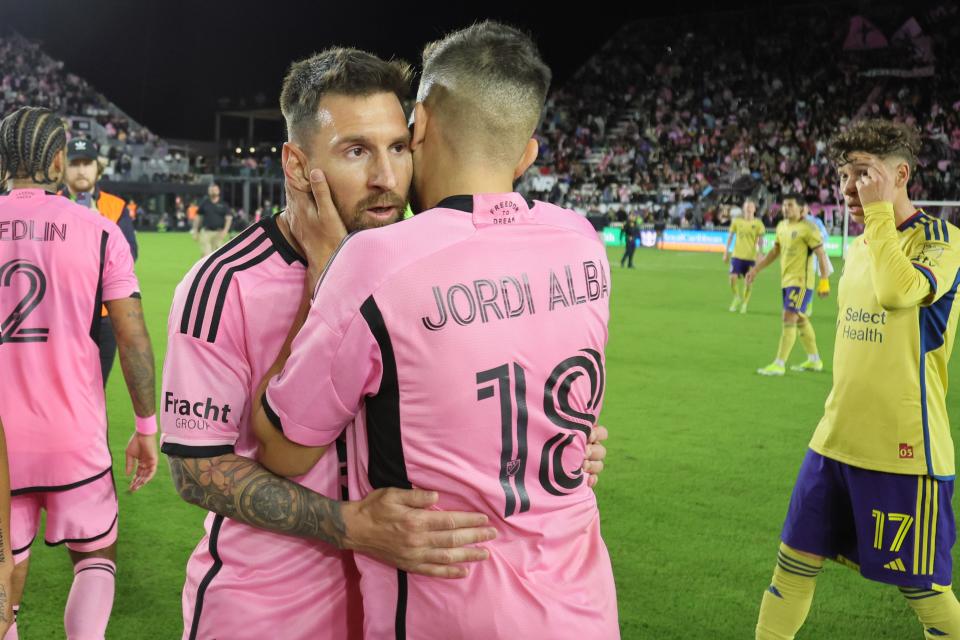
<point x="241" y="489"/>
<point x="6" y="555"/>
<point x="136" y="353"/>
<point x="136" y="360"/>
<point x="392" y="525"/>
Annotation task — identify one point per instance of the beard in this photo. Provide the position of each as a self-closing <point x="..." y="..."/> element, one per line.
<point x="356" y="218"/>
<point x="81" y="184"/>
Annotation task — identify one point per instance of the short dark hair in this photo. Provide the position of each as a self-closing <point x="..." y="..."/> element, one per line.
<point x="338" y="70"/>
<point x="29" y="139"/>
<point x="491" y="79"/>
<point x="793" y="195"/>
<point x="877" y="137"/>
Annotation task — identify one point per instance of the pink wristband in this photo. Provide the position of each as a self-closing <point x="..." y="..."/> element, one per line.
<point x="147" y="426"/>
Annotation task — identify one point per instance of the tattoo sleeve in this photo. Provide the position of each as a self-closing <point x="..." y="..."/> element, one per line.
<point x="241" y="489"/>
<point x="136" y="354"/>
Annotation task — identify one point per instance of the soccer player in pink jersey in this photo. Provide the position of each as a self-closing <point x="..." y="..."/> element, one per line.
<point x="470" y="361"/>
<point x="275" y="559"/>
<point x="6" y="554"/>
<point x="57" y="265"/>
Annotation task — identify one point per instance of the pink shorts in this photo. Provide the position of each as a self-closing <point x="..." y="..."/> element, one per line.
<point x="84" y="516"/>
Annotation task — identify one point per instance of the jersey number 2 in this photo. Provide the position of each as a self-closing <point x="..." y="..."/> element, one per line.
<point x="11" y="328"/>
<point x="511" y="387"/>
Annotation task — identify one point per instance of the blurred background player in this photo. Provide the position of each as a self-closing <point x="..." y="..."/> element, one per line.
<point x="58" y="264"/>
<point x="749" y="242"/>
<point x="270" y="564"/>
<point x="659" y="226"/>
<point x="7" y="612"/>
<point x="437" y="386"/>
<point x="875" y="487"/>
<point x="630" y="233"/>
<point x="81" y="183"/>
<point x="796" y="244"/>
<point x="211" y="225"/>
<point x="822" y="228"/>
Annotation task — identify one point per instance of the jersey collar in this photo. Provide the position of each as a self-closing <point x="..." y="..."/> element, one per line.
<point x="465" y="203"/>
<point x="284" y="248"/>
<point x="912" y="220"/>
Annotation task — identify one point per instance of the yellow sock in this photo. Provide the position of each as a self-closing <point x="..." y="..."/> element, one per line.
<point x="734" y="286"/>
<point x="938" y="612"/>
<point x="786" y="602"/>
<point x="747" y="290"/>
<point x="787" y="338"/>
<point x="808" y="337"/>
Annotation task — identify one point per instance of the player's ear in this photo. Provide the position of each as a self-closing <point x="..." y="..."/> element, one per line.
<point x="296" y="170"/>
<point x="530" y="153"/>
<point x="418" y="125"/>
<point x="903" y="174"/>
<point x="58" y="165"/>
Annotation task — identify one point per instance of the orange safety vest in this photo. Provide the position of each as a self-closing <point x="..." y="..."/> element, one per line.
<point x="110" y="207"/>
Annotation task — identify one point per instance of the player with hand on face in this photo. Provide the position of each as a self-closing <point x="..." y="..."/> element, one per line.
<point x="874" y="490"/>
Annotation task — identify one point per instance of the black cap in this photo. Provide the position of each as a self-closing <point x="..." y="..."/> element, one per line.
<point x="81" y="148"/>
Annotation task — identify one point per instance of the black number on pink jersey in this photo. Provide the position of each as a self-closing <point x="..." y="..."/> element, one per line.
<point x="509" y="382"/>
<point x="556" y="404"/>
<point x="513" y="459"/>
<point x="12" y="329"/>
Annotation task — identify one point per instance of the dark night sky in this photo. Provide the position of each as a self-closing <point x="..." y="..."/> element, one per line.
<point x="166" y="62"/>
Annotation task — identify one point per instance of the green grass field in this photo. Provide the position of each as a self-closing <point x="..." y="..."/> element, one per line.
<point x="703" y="455"/>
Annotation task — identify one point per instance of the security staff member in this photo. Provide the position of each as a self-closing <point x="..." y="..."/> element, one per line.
<point x="81" y="180"/>
<point x="212" y="224"/>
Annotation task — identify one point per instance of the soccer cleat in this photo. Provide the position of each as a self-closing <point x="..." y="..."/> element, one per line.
<point x="735" y="305"/>
<point x="743" y="308"/>
<point x="772" y="369"/>
<point x="808" y="365"/>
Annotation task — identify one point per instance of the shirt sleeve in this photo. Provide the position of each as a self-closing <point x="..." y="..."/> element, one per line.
<point x="119" y="280"/>
<point x="812" y="236"/>
<point x="126" y="226"/>
<point x="205" y="386"/>
<point x="903" y="280"/>
<point x="335" y="360"/>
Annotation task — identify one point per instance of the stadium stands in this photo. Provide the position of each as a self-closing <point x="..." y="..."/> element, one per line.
<point x="30" y="76"/>
<point x="671" y="113"/>
<point x="672" y="117"/>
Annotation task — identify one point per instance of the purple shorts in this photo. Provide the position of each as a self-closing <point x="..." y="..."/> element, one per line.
<point x="897" y="529"/>
<point x="740" y="267"/>
<point x="797" y="299"/>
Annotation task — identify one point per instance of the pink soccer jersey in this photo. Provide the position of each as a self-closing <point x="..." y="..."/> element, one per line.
<point x="469" y="341"/>
<point x="229" y="318"/>
<point x="58" y="262"/>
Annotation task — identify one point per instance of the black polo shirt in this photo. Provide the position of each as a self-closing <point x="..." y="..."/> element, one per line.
<point x="214" y="215"/>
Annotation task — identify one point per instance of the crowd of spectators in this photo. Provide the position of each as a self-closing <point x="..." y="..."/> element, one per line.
<point x="28" y="76"/>
<point x="675" y="117"/>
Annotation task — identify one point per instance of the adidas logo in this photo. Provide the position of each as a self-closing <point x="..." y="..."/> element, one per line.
<point x="896" y="565"/>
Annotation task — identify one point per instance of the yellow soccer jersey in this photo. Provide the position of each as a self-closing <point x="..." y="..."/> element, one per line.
<point x="797" y="240"/>
<point x="747" y="232"/>
<point x="898" y="315"/>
